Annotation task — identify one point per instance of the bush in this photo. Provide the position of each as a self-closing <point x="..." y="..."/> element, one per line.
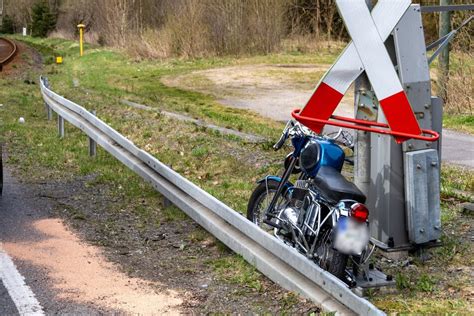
<point x="43" y="19"/>
<point x="7" y="27"/>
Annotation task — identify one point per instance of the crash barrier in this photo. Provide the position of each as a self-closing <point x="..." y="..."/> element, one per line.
<point x="279" y="262"/>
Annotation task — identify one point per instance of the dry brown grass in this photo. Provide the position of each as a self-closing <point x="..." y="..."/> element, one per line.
<point x="195" y="29"/>
<point x="310" y="44"/>
<point x="460" y="88"/>
<point x="460" y="91"/>
<point x="151" y="44"/>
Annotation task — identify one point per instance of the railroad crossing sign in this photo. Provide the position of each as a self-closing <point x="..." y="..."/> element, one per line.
<point x="402" y="179"/>
<point x="367" y="53"/>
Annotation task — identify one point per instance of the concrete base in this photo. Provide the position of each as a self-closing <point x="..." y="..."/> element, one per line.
<point x="377" y="280"/>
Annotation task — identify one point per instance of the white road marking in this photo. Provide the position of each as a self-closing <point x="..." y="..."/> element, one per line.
<point x="20" y="293"/>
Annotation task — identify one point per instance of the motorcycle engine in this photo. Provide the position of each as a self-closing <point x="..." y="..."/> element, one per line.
<point x="291" y="214"/>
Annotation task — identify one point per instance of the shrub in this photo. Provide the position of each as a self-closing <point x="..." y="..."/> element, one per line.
<point x="7" y="27"/>
<point x="43" y="19"/>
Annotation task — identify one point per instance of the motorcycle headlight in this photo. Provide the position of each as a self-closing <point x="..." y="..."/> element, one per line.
<point x="310" y="157"/>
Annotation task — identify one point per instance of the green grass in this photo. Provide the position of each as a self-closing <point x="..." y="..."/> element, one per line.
<point x="459" y="122"/>
<point x="440" y="285"/>
<point x="237" y="271"/>
<point x="226" y="167"/>
<point x="457" y="182"/>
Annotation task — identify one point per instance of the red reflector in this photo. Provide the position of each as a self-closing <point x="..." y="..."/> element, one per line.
<point x="359" y="212"/>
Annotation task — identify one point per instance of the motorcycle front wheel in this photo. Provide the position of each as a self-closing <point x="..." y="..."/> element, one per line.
<point x="260" y="200"/>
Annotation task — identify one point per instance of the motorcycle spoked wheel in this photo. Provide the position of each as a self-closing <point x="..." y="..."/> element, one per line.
<point x="327" y="257"/>
<point x="260" y="200"/>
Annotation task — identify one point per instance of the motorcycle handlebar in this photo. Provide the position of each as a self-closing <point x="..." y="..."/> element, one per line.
<point x="284" y="135"/>
<point x="280" y="142"/>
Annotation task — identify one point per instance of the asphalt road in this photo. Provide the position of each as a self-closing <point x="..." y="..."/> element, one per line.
<point x="19" y="208"/>
<point x="457" y="148"/>
<point x="7" y="307"/>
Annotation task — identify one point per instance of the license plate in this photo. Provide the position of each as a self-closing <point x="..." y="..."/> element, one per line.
<point x="351" y="236"/>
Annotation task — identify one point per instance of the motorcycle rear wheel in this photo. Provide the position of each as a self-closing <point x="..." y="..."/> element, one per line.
<point x="329" y="258"/>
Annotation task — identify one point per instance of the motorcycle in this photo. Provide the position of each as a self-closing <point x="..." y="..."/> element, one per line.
<point x="322" y="214"/>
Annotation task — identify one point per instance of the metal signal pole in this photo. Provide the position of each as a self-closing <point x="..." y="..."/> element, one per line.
<point x="443" y="63"/>
<point x="365" y="108"/>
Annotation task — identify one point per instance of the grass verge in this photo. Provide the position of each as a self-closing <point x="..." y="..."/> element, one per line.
<point x="458" y="122"/>
<point x="226" y="167"/>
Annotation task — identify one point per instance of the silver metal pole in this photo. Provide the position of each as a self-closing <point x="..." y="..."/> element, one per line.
<point x="362" y="139"/>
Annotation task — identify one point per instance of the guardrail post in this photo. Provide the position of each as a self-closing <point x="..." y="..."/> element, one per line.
<point x="92" y="143"/>
<point x="166" y="202"/>
<point x="49" y="111"/>
<point x="60" y="126"/>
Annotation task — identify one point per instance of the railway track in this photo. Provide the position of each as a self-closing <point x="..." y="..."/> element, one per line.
<point x="7" y="51"/>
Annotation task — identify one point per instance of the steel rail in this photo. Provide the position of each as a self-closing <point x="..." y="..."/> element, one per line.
<point x="6" y="57"/>
<point x="281" y="263"/>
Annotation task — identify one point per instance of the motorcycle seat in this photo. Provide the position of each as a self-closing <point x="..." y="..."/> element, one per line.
<point x="335" y="187"/>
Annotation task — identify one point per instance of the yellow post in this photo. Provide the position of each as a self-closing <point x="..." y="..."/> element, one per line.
<point x="81" y="38"/>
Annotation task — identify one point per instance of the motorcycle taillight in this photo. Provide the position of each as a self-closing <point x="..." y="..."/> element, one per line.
<point x="359" y="212"/>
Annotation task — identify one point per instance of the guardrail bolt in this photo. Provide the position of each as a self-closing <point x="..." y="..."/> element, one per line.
<point x="92" y="143"/>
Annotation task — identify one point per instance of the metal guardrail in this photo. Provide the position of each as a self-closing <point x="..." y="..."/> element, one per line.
<point x="281" y="263"/>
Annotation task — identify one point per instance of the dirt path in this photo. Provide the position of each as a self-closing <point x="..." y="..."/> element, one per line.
<point x="274" y="91"/>
<point x="67" y="275"/>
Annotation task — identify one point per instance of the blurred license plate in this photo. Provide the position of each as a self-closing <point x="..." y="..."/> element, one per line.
<point x="351" y="236"/>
